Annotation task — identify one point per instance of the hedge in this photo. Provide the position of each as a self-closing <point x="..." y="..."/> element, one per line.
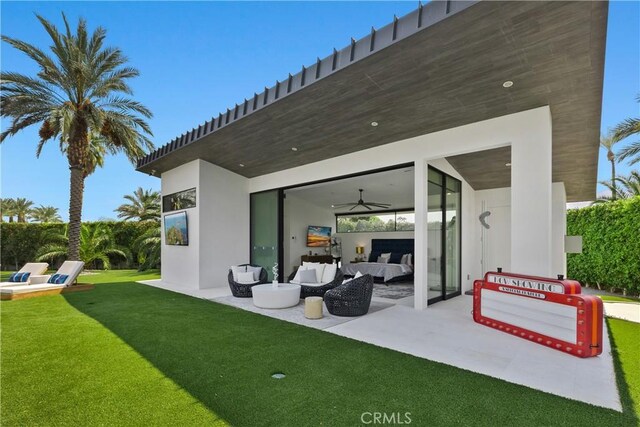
<point x="610" y="257"/>
<point x="19" y="242"/>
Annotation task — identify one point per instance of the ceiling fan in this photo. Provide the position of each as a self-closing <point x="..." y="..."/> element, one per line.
<point x="362" y="203"/>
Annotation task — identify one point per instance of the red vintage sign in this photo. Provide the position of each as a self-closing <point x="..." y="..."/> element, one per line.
<point x="550" y="312"/>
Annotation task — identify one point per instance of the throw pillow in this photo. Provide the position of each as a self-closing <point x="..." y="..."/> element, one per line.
<point x="383" y="260"/>
<point x="246" y="278"/>
<point x="329" y="273"/>
<point x="395" y="258"/>
<point x="256" y="271"/>
<point x="235" y="269"/>
<point x="316" y="266"/>
<point x="410" y="259"/>
<point x="308" y="276"/>
<point x="403" y="260"/>
<point x="358" y="274"/>
<point x="19" y="277"/>
<point x="386" y="255"/>
<point x="296" y="278"/>
<point x="58" y="279"/>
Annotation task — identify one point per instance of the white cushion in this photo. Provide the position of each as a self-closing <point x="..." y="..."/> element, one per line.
<point x="308" y="276"/>
<point x="246" y="278"/>
<point x="296" y="278"/>
<point x="383" y="260"/>
<point x="410" y="259"/>
<point x="358" y="274"/>
<point x="29" y="288"/>
<point x="329" y="273"/>
<point x="316" y="266"/>
<point x="256" y="272"/>
<point x="235" y="269"/>
<point x="386" y="255"/>
<point x="403" y="260"/>
<point x="72" y="269"/>
<point x="35" y="268"/>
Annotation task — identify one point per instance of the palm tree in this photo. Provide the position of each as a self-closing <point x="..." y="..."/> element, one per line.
<point x="22" y="208"/>
<point x="607" y="142"/>
<point x="96" y="245"/>
<point x="144" y="205"/>
<point x="627" y="128"/>
<point x="45" y="214"/>
<point x="629" y="187"/>
<point x="8" y="208"/>
<point x="147" y="245"/>
<point x="77" y="94"/>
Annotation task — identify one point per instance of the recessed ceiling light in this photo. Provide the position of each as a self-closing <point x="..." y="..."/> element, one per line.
<point x="508" y="165"/>
<point x="507" y="84"/>
<point x="241" y="165"/>
<point x="294" y="148"/>
<point x="374" y="124"/>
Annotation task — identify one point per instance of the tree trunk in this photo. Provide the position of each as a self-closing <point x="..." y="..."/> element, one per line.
<point x="77" y="155"/>
<point x="613" y="179"/>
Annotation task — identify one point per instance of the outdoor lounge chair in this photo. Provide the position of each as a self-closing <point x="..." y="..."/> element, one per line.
<point x="243" y="290"/>
<point x="317" y="290"/>
<point x="35" y="270"/>
<point x="352" y="298"/>
<point x="70" y="269"/>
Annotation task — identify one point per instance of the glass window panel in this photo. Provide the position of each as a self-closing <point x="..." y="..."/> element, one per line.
<point x="363" y="222"/>
<point x="264" y="230"/>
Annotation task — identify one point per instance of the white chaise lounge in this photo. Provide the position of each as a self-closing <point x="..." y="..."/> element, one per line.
<point x="36" y="270"/>
<point x="71" y="269"/>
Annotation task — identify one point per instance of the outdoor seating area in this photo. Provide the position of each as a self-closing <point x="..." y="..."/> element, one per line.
<point x="62" y="281"/>
<point x="313" y="283"/>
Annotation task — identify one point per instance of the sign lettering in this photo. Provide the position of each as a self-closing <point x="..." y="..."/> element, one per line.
<point x="535" y="285"/>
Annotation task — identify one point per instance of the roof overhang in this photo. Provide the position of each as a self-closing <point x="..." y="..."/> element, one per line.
<point x="439" y="67"/>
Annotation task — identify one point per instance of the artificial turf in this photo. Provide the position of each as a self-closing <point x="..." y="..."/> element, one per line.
<point x="128" y="354"/>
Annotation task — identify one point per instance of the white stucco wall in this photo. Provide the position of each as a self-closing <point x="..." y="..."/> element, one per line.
<point x="218" y="226"/>
<point x="180" y="265"/>
<point x="558" y="230"/>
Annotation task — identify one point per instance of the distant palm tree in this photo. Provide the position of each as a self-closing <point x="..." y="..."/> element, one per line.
<point x="629" y="186"/>
<point x="607" y="142"/>
<point x="76" y="95"/>
<point x="45" y="214"/>
<point x="144" y="205"/>
<point x="627" y="128"/>
<point x="22" y="208"/>
<point x="8" y="208"/>
<point x="147" y="245"/>
<point x="96" y="245"/>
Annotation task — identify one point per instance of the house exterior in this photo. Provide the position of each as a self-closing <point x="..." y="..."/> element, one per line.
<point x="503" y="97"/>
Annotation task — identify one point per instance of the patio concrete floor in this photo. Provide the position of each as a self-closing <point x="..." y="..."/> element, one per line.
<point x="446" y="333"/>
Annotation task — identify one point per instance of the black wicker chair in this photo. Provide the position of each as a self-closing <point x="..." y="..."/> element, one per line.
<point x="243" y="290"/>
<point x="352" y="298"/>
<point x="318" y="291"/>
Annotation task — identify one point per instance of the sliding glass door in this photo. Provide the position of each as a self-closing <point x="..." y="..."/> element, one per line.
<point x="266" y="230"/>
<point x="443" y="236"/>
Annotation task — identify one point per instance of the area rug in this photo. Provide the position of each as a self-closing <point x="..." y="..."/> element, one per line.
<point x="296" y="314"/>
<point x="393" y="290"/>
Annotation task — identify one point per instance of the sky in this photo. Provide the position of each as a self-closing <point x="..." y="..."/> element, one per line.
<point x="198" y="58"/>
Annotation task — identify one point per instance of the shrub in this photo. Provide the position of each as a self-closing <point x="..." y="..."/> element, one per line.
<point x="19" y="242"/>
<point x="610" y="255"/>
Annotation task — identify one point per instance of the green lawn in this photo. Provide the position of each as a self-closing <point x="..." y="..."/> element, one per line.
<point x="615" y="298"/>
<point x="128" y="354"/>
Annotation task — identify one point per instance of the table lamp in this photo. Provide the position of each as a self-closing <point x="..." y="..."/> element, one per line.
<point x="359" y="251"/>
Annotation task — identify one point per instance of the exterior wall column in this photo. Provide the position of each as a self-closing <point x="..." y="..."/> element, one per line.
<point x="420" y="237"/>
<point x="559" y="229"/>
<point x="531" y="199"/>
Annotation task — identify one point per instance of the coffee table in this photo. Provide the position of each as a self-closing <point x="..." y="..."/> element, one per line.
<point x="268" y="296"/>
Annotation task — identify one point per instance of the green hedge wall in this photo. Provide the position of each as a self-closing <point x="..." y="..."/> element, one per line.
<point x="610" y="254"/>
<point x="19" y="242"/>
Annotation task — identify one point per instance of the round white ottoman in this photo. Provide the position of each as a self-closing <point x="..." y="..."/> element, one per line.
<point x="313" y="307"/>
<point x="285" y="295"/>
